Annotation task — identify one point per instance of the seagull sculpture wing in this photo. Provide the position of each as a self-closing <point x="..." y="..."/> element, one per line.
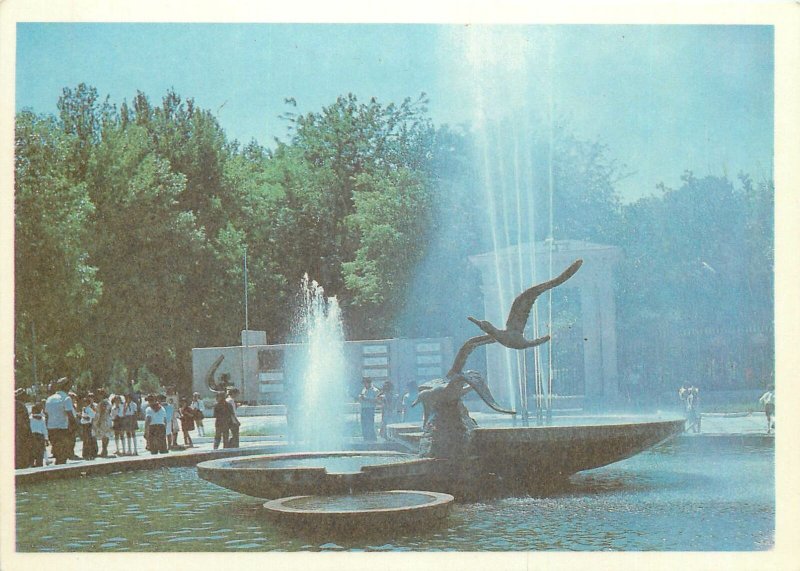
<point x="467" y="348"/>
<point x="521" y="308"/>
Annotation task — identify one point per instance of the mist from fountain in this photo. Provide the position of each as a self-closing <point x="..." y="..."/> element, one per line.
<point x="321" y="423"/>
<point x="512" y="88"/>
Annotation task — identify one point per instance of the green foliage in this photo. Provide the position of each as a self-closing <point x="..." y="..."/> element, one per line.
<point x="695" y="288"/>
<point x="148" y="382"/>
<point x="586" y="205"/>
<point x="117" y="381"/>
<point x="357" y="181"/>
<point x="143" y="216"/>
<point x="699" y="254"/>
<point x="391" y="219"/>
<point x="132" y="225"/>
<point x="56" y="285"/>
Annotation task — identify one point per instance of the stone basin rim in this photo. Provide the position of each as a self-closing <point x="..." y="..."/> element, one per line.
<point x="567" y="427"/>
<point x="245" y="463"/>
<point x="437" y="499"/>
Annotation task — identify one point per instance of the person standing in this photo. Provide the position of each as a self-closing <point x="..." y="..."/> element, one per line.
<point x="117" y="423"/>
<point x="155" y="426"/>
<point x="87" y="436"/>
<point x="197" y="408"/>
<point x="130" y="422"/>
<point x="60" y="416"/>
<point x="692" y="403"/>
<point x="233" y="442"/>
<point x="368" y="398"/>
<point x="222" y="419"/>
<point x="768" y="400"/>
<point x="74" y="429"/>
<point x="187" y="422"/>
<point x="173" y="406"/>
<point x="102" y="424"/>
<point x="170" y="410"/>
<point x="683" y="394"/>
<point x="389" y="405"/>
<point x="23" y="439"/>
<point x="697" y="414"/>
<point x="39" y="435"/>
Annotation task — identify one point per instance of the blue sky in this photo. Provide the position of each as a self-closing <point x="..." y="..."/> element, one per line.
<point x="662" y="98"/>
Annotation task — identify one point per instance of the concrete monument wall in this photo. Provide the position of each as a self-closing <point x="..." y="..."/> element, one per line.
<point x="263" y="372"/>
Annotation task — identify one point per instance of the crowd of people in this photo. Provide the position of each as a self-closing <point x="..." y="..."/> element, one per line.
<point x="394" y="408"/>
<point x="96" y="417"/>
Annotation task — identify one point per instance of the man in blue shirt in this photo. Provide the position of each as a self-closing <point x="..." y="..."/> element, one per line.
<point x="60" y="414"/>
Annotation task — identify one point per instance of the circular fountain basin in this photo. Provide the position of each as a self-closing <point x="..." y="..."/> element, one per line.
<point x="541" y="454"/>
<point x="520" y="455"/>
<point x="367" y="511"/>
<point x="323" y="473"/>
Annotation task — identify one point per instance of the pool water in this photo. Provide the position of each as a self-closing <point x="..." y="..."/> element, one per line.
<point x="676" y="497"/>
<point x="332" y="464"/>
<point x="360" y="502"/>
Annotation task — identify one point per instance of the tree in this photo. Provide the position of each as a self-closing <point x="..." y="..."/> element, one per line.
<point x="144" y="247"/>
<point x="55" y="283"/>
<point x="696" y="280"/>
<point x="353" y="177"/>
<point x="392" y="221"/>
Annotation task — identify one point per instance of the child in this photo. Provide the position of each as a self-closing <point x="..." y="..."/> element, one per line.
<point x="40" y="437"/>
<point x="130" y="423"/>
<point x="118" y="424"/>
<point x="101" y="425"/>
<point x="187" y="422"/>
<point x="87" y="436"/>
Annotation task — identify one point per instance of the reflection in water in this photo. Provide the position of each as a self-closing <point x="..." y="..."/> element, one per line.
<point x="674" y="498"/>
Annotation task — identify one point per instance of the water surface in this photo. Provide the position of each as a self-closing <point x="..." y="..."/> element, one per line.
<point x="676" y="497"/>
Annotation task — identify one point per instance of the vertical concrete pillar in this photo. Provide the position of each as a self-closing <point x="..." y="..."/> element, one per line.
<point x="592" y="346"/>
<point x="608" y="332"/>
<point x="595" y="284"/>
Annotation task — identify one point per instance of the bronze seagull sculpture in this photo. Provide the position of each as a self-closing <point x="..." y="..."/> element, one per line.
<point x="512" y="336"/>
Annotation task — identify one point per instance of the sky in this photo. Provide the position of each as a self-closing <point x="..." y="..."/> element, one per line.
<point x="662" y="98"/>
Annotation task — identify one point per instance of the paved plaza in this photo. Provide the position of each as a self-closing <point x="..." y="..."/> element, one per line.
<point x="713" y="425"/>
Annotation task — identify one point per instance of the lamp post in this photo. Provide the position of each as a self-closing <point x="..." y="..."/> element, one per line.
<point x="246" y="325"/>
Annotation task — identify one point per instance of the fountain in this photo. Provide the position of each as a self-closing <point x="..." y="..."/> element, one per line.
<point x="455" y="455"/>
<point x="319" y="423"/>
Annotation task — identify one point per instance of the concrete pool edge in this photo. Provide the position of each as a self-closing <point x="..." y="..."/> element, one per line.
<point x="435" y="509"/>
<point x="190" y="459"/>
<point x="146" y="461"/>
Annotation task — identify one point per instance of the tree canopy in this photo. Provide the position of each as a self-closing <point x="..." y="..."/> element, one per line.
<point x="132" y="223"/>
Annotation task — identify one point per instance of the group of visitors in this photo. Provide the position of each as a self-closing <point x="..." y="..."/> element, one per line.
<point x="393" y="407"/>
<point x="166" y="416"/>
<point x="690" y="399"/>
<point x="95" y="417"/>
